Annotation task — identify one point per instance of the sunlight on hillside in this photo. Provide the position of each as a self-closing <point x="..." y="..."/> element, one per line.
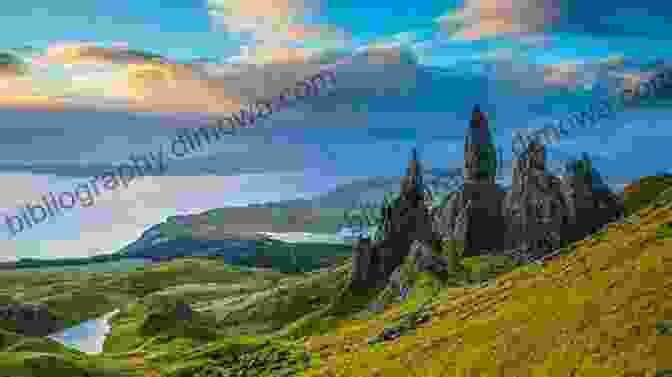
<point x="592" y="313"/>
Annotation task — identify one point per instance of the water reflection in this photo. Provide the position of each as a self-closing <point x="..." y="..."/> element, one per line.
<point x="88" y="336"/>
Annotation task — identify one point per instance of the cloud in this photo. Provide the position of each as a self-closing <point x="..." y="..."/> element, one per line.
<point x="264" y="54"/>
<point x="112" y="78"/>
<point x="86" y="77"/>
<point x="479" y="19"/>
<point x="574" y="75"/>
<point x="89" y="53"/>
<point x="79" y="75"/>
<point x="536" y="40"/>
<point x="491" y="18"/>
<point x="272" y="21"/>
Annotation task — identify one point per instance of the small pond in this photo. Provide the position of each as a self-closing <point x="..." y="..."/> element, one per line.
<point x="87" y="336"/>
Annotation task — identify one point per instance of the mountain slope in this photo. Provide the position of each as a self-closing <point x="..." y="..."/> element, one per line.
<point x="591" y="313"/>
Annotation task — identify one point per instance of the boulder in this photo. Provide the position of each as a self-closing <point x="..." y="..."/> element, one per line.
<point x="426" y="260"/>
<point x="28" y="319"/>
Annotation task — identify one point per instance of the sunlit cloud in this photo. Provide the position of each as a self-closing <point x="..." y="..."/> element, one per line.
<point x="480" y="19"/>
<point x="80" y="75"/>
<point x="271" y="22"/>
<point x="88" y="53"/>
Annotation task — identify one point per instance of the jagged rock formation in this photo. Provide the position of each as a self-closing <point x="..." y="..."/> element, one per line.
<point x="365" y="258"/>
<point x="480" y="156"/>
<point x="405" y="220"/>
<point x="478" y="205"/>
<point x="539" y="211"/>
<point x="534" y="217"/>
<point x="28" y="319"/>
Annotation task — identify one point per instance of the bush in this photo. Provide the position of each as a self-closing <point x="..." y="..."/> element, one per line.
<point x="643" y="192"/>
<point x="171" y="314"/>
<point x="664" y="328"/>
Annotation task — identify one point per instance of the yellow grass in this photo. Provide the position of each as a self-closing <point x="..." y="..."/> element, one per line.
<point x="591" y="313"/>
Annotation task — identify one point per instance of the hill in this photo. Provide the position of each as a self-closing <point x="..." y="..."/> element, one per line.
<point x="592" y="312"/>
<point x="606" y="296"/>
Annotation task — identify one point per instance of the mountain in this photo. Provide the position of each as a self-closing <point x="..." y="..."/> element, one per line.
<point x="155" y="245"/>
<point x="241" y="242"/>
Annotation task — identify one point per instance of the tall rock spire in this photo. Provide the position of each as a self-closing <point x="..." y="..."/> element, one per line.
<point x="412" y="182"/>
<point x="480" y="156"/>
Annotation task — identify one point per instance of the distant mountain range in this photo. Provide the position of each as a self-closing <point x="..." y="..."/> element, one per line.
<point x="235" y="233"/>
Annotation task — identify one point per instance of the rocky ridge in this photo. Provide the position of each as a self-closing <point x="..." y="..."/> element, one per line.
<point x="540" y="213"/>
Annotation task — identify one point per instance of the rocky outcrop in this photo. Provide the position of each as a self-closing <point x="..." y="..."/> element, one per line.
<point x="593" y="202"/>
<point x="531" y="219"/>
<point x="365" y="257"/>
<point x="538" y="213"/>
<point x="426" y="260"/>
<point x="480" y="156"/>
<point x="478" y="205"/>
<point x="537" y="210"/>
<point x="542" y="210"/>
<point x="28" y="319"/>
<point x="405" y="220"/>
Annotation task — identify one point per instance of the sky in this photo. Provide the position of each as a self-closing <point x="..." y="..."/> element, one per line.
<point x="74" y="101"/>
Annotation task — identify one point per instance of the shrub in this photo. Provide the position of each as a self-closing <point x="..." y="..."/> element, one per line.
<point x="664" y="231"/>
<point x="664" y="328"/>
<point x="643" y="192"/>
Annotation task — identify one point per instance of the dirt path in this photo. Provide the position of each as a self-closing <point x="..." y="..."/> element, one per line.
<point x="137" y="360"/>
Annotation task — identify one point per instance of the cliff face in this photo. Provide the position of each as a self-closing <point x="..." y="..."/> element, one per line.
<point x="538" y="213"/>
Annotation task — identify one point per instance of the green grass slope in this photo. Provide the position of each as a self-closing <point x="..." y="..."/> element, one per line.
<point x="595" y="311"/>
<point x="22" y="356"/>
<point x="266" y="323"/>
<point x="640" y="193"/>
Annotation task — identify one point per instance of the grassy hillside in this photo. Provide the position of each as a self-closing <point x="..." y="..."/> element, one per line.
<point x="41" y="357"/>
<point x="122" y="265"/>
<point x="598" y="309"/>
<point x="638" y="194"/>
<point x="297" y="257"/>
<point x="78" y="296"/>
<point x="247" y="220"/>
<point x="111" y="262"/>
<point x="251" y="327"/>
<point x="63" y="364"/>
<point x="594" y="312"/>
